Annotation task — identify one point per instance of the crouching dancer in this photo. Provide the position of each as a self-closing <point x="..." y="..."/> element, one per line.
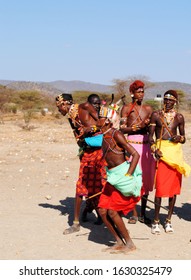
<point x="122" y="190"/>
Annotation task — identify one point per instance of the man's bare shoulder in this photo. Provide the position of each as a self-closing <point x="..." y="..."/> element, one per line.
<point x="156" y="113"/>
<point x="118" y="135"/>
<point x="128" y="105"/>
<point x="147" y="108"/>
<point x="84" y="105"/>
<point x="125" y="108"/>
<point x="180" y="116"/>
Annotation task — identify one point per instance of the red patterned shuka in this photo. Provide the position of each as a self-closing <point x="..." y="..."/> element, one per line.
<point x="92" y="176"/>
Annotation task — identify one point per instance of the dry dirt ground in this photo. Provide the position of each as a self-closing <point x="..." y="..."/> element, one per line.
<point x="38" y="170"/>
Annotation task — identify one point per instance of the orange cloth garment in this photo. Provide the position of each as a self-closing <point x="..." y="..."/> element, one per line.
<point x="168" y="181"/>
<point x="112" y="199"/>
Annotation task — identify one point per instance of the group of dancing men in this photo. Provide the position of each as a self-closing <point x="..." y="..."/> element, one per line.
<point x="125" y="153"/>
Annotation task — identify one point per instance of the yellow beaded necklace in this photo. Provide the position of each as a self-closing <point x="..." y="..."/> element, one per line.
<point x="169" y="116"/>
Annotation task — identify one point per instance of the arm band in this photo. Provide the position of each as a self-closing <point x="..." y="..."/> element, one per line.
<point x="152" y="124"/>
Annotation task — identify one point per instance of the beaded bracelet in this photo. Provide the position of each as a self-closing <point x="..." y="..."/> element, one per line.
<point x="94" y="128"/>
<point x="135" y="127"/>
<point x="153" y="148"/>
<point x="128" y="175"/>
<point x="182" y="139"/>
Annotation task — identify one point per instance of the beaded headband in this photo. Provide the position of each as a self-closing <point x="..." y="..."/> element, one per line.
<point x="170" y="96"/>
<point x="64" y="99"/>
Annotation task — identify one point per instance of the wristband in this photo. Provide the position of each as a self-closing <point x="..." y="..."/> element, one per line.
<point x="128" y="175"/>
<point x="94" y="128"/>
<point x="153" y="148"/>
<point x="182" y="139"/>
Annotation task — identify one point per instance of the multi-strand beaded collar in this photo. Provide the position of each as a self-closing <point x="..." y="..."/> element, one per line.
<point x="169" y="116"/>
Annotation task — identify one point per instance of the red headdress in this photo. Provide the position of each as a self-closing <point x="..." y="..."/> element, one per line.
<point x="135" y="85"/>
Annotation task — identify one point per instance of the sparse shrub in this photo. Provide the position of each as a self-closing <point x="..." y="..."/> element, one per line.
<point x="9" y="108"/>
<point x="27" y="115"/>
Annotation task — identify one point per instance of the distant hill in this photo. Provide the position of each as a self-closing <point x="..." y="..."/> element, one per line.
<point x="69" y="86"/>
<point x="57" y="87"/>
<point x="37" y="86"/>
<point x="162" y="87"/>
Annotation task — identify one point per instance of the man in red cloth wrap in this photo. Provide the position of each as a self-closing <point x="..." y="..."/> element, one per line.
<point x="168" y="127"/>
<point x="122" y="190"/>
<point x="83" y="118"/>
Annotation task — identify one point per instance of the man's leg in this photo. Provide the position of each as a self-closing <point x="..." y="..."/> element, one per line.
<point x="76" y="224"/>
<point x="155" y="225"/>
<point x="78" y="202"/>
<point x="172" y="201"/>
<point x="122" y="231"/>
<point x="168" y="226"/>
<point x="110" y="225"/>
<point x="143" y="218"/>
<point x="157" y="208"/>
<point x="134" y="218"/>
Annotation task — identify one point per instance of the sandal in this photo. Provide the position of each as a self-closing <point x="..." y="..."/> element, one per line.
<point x="133" y="220"/>
<point x="144" y="220"/>
<point x="168" y="227"/>
<point x="155" y="229"/>
<point x="73" y="228"/>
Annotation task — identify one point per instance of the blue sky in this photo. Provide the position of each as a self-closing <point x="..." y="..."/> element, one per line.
<point x="95" y="41"/>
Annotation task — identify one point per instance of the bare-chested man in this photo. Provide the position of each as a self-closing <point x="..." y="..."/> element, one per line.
<point x="135" y="118"/>
<point x="84" y="118"/>
<point x="165" y="125"/>
<point x="123" y="188"/>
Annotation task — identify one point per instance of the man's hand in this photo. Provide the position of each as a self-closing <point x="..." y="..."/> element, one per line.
<point x="176" y="139"/>
<point x="158" y="154"/>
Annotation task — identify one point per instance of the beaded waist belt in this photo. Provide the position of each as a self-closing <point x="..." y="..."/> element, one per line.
<point x="137" y="142"/>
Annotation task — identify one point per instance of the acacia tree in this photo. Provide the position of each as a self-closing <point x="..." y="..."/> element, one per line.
<point x="121" y="87"/>
<point x="181" y="98"/>
<point x="5" y="96"/>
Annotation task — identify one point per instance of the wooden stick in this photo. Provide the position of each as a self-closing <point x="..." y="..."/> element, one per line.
<point x="96" y="194"/>
<point x="165" y="208"/>
<point x="167" y="128"/>
<point x="157" y="163"/>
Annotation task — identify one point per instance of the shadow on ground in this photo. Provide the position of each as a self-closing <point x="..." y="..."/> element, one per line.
<point x="99" y="233"/>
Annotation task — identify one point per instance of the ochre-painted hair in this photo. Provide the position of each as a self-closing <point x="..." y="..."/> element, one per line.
<point x="135" y="85"/>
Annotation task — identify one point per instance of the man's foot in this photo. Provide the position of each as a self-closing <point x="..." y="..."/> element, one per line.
<point x="133" y="220"/>
<point x="120" y="248"/>
<point x="112" y="248"/>
<point x="168" y="227"/>
<point x="73" y="228"/>
<point x="145" y="220"/>
<point x="155" y="228"/>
